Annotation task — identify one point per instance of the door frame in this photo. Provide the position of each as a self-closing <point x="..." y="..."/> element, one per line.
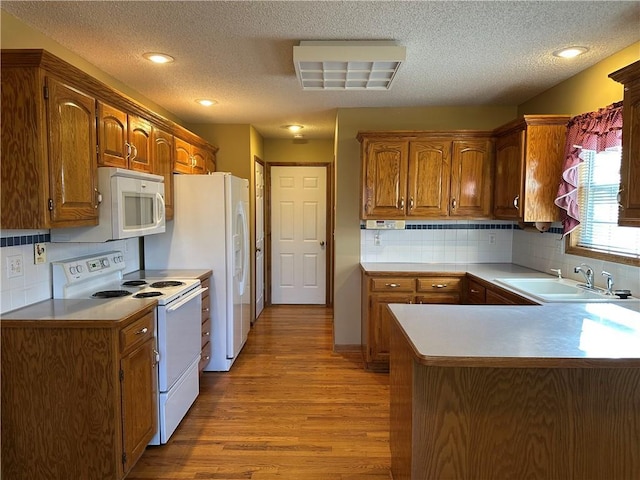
<point x="329" y="166"/>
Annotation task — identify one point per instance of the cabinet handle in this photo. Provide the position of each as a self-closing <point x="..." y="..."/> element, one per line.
<point x="206" y="357"/>
<point x="516" y="202"/>
<point x="392" y="285"/>
<point x="401" y="206"/>
<point x="205" y="334"/>
<point x="619" y="199"/>
<point x="156" y="357"/>
<point x="142" y="331"/>
<point x="128" y="145"/>
<point x="475" y="291"/>
<point x="98" y="198"/>
<point x="206" y="309"/>
<point x="410" y="203"/>
<point x="439" y="285"/>
<point x="454" y="203"/>
<point x="135" y="152"/>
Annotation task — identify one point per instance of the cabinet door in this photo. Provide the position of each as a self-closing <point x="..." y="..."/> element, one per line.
<point x="471" y="169"/>
<point x="71" y="117"/>
<point x="113" y="150"/>
<point x="629" y="213"/>
<point x="380" y="324"/>
<point x="162" y="159"/>
<point x="139" y="402"/>
<point x="140" y="141"/>
<point x="509" y="161"/>
<point x="199" y="159"/>
<point x="385" y="179"/>
<point x="429" y="173"/>
<point x="182" y="159"/>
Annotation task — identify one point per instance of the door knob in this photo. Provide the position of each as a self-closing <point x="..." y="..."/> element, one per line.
<point x="322" y="244"/>
<point x="258" y="250"/>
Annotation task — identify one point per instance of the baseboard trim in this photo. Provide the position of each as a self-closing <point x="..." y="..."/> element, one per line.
<point x="347" y="348"/>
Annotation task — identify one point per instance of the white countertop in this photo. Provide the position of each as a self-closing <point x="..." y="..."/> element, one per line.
<point x="79" y="310"/>
<point x="597" y="334"/>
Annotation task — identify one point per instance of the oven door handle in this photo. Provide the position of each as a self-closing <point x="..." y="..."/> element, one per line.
<point x="186" y="299"/>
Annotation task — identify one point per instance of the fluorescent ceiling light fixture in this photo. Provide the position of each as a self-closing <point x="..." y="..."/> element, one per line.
<point x="206" y="102"/>
<point x="347" y="65"/>
<point x="294" y="128"/>
<point x="570" y="52"/>
<point x="158" y="57"/>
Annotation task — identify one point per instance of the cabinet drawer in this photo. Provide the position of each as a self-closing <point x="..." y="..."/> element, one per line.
<point x="387" y="284"/>
<point x="439" y="284"/>
<point x="439" y="298"/>
<point x="137" y="332"/>
<point x="206" y="331"/>
<point x="476" y="293"/>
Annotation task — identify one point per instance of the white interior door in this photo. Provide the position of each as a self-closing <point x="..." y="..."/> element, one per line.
<point x="259" y="190"/>
<point x="298" y="231"/>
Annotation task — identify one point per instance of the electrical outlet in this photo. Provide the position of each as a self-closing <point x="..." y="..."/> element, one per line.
<point x="14" y="266"/>
<point x="39" y="253"/>
<point x="376" y="240"/>
<point x="492" y="238"/>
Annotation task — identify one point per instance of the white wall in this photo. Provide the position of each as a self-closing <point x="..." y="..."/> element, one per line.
<point x="35" y="285"/>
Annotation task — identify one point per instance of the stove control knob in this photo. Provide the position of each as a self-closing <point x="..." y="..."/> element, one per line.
<point x="104" y="262"/>
<point x="73" y="270"/>
<point x="80" y="269"/>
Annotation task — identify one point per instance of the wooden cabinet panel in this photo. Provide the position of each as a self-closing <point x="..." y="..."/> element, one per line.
<point x="112" y="137"/>
<point x="192" y="159"/>
<point x="137" y="332"/>
<point x="393" y="284"/>
<point x="629" y="211"/>
<point x="529" y="158"/>
<point x="471" y="174"/>
<point x="481" y="292"/>
<point x="139" y="400"/>
<point x="199" y="159"/>
<point x="429" y="173"/>
<point x="380" y="325"/>
<point x="72" y="156"/>
<point x="385" y="179"/>
<point x="476" y="293"/>
<point x="205" y="352"/>
<point x="162" y="160"/>
<point x="439" y="284"/>
<point x="140" y="140"/>
<point x="182" y="156"/>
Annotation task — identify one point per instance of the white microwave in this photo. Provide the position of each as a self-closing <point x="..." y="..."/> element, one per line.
<point x="131" y="205"/>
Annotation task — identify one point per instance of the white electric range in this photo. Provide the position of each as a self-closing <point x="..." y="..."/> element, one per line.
<point x="178" y="324"/>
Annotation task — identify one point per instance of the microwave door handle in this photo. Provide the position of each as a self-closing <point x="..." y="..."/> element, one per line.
<point x="160" y="201"/>
<point x="187" y="299"/>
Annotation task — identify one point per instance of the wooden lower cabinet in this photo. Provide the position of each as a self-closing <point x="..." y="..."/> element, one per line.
<point x="379" y="290"/>
<point x="481" y="292"/>
<point x="79" y="398"/>
<point x="205" y="354"/>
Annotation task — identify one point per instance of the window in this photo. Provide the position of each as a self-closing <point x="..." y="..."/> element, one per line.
<point x="599" y="235"/>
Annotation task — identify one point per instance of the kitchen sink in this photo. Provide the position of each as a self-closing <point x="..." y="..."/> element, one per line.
<point x="556" y="290"/>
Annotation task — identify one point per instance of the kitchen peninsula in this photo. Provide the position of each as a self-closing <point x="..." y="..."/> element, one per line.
<point x="501" y="392"/>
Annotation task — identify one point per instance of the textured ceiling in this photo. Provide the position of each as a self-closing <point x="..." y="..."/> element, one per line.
<point x="240" y="52"/>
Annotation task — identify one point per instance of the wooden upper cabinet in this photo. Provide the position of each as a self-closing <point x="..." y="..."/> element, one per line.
<point x="113" y="148"/>
<point x="426" y="175"/>
<point x="193" y="159"/>
<point x="429" y="173"/>
<point x="471" y="174"/>
<point x="162" y="160"/>
<point x="124" y="140"/>
<point x="385" y="179"/>
<point x="48" y="134"/>
<point x="529" y="158"/>
<point x="140" y="142"/>
<point x="629" y="211"/>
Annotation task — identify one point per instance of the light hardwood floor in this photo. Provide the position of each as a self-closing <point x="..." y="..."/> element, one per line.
<point x="289" y="409"/>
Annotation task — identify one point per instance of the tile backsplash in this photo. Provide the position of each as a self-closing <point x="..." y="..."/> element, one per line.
<point x="34" y="285"/>
<point x="487" y="242"/>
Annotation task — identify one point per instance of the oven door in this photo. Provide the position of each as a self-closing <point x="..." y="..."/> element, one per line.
<point x="179" y="336"/>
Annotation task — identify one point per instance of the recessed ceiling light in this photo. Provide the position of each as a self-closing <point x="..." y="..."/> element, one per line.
<point x="294" y="128"/>
<point x="206" y="102"/>
<point x="298" y="135"/>
<point x="570" y="52"/>
<point x="158" y="57"/>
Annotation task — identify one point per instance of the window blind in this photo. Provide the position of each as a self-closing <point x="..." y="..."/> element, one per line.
<point x="599" y="180"/>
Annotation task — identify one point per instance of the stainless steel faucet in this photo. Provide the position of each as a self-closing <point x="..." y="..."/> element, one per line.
<point x="609" y="282"/>
<point x="587" y="271"/>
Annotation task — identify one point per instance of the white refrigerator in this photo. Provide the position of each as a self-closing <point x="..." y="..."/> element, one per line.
<point x="210" y="230"/>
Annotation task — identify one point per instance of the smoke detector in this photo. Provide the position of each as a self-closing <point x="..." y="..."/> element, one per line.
<point x="347" y="65"/>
